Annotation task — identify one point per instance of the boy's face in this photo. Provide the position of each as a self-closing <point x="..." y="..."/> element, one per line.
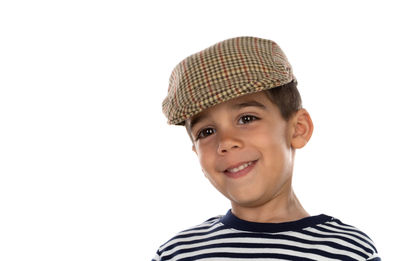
<point x="246" y="148"/>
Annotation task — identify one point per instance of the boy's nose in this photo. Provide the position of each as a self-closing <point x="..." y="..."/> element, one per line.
<point x="228" y="143"/>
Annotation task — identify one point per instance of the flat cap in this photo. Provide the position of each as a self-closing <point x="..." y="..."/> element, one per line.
<point x="224" y="71"/>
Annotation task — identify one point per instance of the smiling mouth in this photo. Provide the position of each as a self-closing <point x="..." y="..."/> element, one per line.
<point x="240" y="170"/>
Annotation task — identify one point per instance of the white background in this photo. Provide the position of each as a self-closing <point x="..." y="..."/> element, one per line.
<point x="89" y="169"/>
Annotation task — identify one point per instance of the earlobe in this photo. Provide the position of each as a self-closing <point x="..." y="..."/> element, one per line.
<point x="194" y="149"/>
<point x="303" y="129"/>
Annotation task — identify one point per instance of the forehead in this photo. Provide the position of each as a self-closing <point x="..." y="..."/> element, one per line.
<point x="258" y="99"/>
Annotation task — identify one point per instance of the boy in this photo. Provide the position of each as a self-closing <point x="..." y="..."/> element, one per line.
<point x="240" y="105"/>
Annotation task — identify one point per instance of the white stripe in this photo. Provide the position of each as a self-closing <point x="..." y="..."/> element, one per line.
<point x="349" y="232"/>
<point x="204" y="224"/>
<point x="156" y="258"/>
<point x="188" y="239"/>
<point x="333" y="240"/>
<point x="329" y="239"/>
<point x="354" y="231"/>
<point x="327" y="249"/>
<point x="197" y="230"/>
<point x="341" y="225"/>
<point x="332" y="234"/>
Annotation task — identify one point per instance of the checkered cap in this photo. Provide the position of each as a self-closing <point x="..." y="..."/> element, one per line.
<point x="224" y="71"/>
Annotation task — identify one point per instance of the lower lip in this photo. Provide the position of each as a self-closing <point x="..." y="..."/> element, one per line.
<point x="240" y="173"/>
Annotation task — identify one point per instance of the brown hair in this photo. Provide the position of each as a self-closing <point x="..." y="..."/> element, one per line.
<point x="286" y="97"/>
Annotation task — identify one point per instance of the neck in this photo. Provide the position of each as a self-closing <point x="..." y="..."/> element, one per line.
<point x="283" y="207"/>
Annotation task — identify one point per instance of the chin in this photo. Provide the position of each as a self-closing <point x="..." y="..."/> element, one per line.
<point x="246" y="200"/>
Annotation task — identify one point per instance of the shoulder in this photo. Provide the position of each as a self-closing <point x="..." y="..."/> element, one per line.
<point x="347" y="236"/>
<point x="188" y="237"/>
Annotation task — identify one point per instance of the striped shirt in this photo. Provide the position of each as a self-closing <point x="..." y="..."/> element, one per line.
<point x="227" y="237"/>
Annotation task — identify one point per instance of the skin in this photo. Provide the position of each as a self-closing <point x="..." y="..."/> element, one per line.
<point x="226" y="135"/>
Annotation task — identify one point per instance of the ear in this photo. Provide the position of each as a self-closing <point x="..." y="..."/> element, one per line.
<point x="194" y="149"/>
<point x="302" y="129"/>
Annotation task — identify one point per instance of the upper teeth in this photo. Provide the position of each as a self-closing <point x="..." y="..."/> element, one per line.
<point x="240" y="167"/>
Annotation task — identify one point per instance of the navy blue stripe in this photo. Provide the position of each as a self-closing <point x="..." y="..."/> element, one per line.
<point x="230" y="220"/>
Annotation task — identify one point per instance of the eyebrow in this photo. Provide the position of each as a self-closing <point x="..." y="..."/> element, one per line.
<point x="251" y="103"/>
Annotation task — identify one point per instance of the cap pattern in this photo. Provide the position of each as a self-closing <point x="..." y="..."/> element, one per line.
<point x="224" y="71"/>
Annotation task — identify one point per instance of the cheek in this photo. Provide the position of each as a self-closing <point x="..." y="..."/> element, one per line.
<point x="205" y="158"/>
<point x="273" y="145"/>
<point x="202" y="162"/>
<point x="268" y="138"/>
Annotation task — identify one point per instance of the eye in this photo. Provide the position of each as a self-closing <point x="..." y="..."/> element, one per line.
<point x="204" y="133"/>
<point x="247" y="118"/>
